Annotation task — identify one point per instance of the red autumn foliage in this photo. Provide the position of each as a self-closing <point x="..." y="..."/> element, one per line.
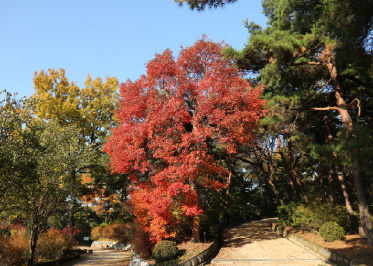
<point x="171" y="118"/>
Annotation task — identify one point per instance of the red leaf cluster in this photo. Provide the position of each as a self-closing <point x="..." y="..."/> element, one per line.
<point x="171" y="119"/>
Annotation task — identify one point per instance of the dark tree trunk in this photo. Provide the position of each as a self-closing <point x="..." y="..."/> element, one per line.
<point x="72" y="198"/>
<point x="330" y="184"/>
<point x="366" y="218"/>
<point x="290" y="170"/>
<point x="196" y="219"/>
<point x="195" y="229"/>
<point x="34" y="235"/>
<point x="275" y="190"/>
<point x="350" y="211"/>
<point x="289" y="174"/>
<point x="294" y="172"/>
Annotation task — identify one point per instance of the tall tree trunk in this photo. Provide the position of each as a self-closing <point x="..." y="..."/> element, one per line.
<point x="294" y="172"/>
<point x="196" y="229"/>
<point x="268" y="173"/>
<point x="72" y="198"/>
<point x="340" y="101"/>
<point x="34" y="235"/>
<point x="196" y="219"/>
<point x="291" y="171"/>
<point x="226" y="216"/>
<point x="290" y="176"/>
<point x="330" y="184"/>
<point x="350" y="211"/>
<point x="270" y="179"/>
<point x="329" y="140"/>
<point x="366" y="218"/>
<point x="274" y="189"/>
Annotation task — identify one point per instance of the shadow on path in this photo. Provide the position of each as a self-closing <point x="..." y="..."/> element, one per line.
<point x="256" y="244"/>
<point x="249" y="232"/>
<point x="105" y="257"/>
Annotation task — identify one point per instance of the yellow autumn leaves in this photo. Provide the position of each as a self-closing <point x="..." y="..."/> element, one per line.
<point x="90" y="108"/>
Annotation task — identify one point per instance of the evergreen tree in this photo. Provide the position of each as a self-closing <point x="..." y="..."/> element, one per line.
<point x="315" y="61"/>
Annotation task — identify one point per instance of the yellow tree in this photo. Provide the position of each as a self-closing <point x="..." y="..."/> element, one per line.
<point x="98" y="104"/>
<point x="57" y="98"/>
<point x="90" y="110"/>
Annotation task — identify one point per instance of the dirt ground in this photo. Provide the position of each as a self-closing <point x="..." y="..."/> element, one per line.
<point x="104" y="257"/>
<point x="256" y="244"/>
<point x="352" y="247"/>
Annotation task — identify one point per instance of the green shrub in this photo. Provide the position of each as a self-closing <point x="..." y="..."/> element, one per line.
<point x="165" y="250"/>
<point x="331" y="231"/>
<point x="287" y="215"/>
<point x="311" y="217"/>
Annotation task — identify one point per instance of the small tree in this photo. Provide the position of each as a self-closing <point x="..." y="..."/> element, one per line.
<point x="33" y="153"/>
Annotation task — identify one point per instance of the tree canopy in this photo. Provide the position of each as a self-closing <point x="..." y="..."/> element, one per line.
<point x="315" y="61"/>
<point x="178" y="124"/>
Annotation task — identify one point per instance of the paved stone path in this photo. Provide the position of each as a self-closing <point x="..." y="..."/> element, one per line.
<point x="256" y="244"/>
<point x="104" y="257"/>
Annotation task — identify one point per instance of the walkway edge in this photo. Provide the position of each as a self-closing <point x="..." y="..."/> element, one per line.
<point x="325" y="253"/>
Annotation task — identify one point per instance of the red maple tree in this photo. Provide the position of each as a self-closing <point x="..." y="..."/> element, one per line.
<point x="170" y="120"/>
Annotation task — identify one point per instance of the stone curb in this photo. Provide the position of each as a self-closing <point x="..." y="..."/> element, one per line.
<point x="325" y="253"/>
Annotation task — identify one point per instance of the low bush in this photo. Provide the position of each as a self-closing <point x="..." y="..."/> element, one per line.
<point x="71" y="234"/>
<point x="96" y="233"/>
<point x="51" y="245"/>
<point x="165" y="250"/>
<point x="141" y="242"/>
<point x="118" y="231"/>
<point x="13" y="249"/>
<point x="331" y="231"/>
<point x="71" y="255"/>
<point x="311" y="217"/>
<point x="287" y="215"/>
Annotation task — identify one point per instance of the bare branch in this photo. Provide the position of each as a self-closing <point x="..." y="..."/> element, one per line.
<point x="325" y="108"/>
<point x="308" y="63"/>
<point x="317" y="93"/>
<point x="358" y="105"/>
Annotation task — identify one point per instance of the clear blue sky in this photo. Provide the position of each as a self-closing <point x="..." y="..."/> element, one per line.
<point x="106" y="37"/>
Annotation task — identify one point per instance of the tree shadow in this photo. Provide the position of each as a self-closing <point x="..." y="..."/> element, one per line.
<point x="181" y="252"/>
<point x="360" y="254"/>
<point x="356" y="241"/>
<point x="248" y="233"/>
